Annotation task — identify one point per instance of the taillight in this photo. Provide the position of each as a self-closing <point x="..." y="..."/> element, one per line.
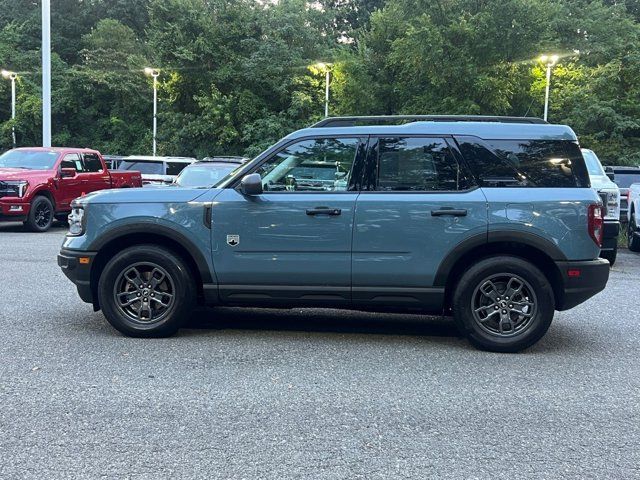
<point x="596" y="223"/>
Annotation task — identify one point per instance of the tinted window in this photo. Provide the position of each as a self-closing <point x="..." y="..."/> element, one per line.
<point x="322" y="164"/>
<point x="29" y="160"/>
<point x="150" y="168"/>
<point x="92" y="163"/>
<point x="418" y="164"/>
<point x="624" y="179"/>
<point x="592" y="163"/>
<point x="526" y="163"/>
<point x="174" y="168"/>
<point x="72" y="160"/>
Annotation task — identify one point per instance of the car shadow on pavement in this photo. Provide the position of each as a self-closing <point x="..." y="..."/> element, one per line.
<point x="321" y="320"/>
<point x="18" y="227"/>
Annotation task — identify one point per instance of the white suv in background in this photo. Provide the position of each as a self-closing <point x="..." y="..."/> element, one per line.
<point x="610" y="195"/>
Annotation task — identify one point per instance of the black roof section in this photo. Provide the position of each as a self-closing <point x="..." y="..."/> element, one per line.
<point x="400" y="119"/>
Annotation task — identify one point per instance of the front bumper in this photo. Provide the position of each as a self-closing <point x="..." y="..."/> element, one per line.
<point x="14" y="210"/>
<point x="581" y="280"/>
<point x="76" y="265"/>
<point x="610" y="234"/>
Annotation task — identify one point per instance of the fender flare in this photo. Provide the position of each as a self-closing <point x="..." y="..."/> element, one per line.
<point x="150" y="228"/>
<point x="480" y="240"/>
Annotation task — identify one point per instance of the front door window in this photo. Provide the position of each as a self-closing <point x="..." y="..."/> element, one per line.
<point x="314" y="165"/>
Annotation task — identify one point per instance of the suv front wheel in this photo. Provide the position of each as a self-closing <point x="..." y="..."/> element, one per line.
<point x="146" y="291"/>
<point x="503" y="304"/>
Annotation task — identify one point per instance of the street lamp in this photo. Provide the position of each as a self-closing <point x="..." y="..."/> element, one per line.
<point x="549" y="61"/>
<point x="154" y="72"/>
<point x="12" y="76"/>
<point x="327" y="70"/>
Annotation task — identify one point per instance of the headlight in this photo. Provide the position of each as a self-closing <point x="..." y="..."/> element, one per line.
<point x="76" y="221"/>
<point x="14" y="188"/>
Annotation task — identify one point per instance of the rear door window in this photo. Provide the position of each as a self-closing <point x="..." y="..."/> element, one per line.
<point x="92" y="163"/>
<point x="421" y="164"/>
<point x="525" y="163"/>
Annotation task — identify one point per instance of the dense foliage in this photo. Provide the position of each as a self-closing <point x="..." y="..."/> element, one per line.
<point x="237" y="75"/>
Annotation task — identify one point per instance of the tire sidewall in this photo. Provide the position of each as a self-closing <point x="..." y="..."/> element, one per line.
<point x="31" y="218"/>
<point x="183" y="282"/>
<point x="463" y="295"/>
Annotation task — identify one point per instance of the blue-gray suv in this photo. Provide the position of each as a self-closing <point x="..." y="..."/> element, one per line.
<point x="488" y="219"/>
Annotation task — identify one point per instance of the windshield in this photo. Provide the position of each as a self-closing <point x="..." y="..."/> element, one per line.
<point x="29" y="159"/>
<point x="204" y="175"/>
<point x="624" y="179"/>
<point x="150" y="168"/>
<point x="592" y="162"/>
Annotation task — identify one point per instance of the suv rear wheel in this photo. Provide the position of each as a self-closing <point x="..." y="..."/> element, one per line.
<point x="503" y="304"/>
<point x="146" y="291"/>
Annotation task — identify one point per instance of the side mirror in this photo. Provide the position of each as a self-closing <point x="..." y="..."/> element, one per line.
<point x="67" y="172"/>
<point x="611" y="175"/>
<point x="251" y="184"/>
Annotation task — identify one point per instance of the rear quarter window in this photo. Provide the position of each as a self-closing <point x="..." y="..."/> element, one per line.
<point x="526" y="163"/>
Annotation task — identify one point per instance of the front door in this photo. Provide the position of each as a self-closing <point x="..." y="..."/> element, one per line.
<point x="420" y="204"/>
<point x="293" y="242"/>
<point x="70" y="188"/>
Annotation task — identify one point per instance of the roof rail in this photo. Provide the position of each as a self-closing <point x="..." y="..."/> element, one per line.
<point x="400" y="119"/>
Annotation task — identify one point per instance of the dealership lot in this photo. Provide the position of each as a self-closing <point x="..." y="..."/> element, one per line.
<point x="307" y="394"/>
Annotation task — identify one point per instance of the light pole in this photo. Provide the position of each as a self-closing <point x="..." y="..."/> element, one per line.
<point x="327" y="76"/>
<point x="549" y="61"/>
<point x="154" y="72"/>
<point x="12" y="76"/>
<point x="46" y="73"/>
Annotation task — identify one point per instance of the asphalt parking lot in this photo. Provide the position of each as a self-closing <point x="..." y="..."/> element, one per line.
<point x="307" y="393"/>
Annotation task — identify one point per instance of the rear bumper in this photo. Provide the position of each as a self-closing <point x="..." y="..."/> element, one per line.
<point x="580" y="281"/>
<point x="610" y="234"/>
<point x="79" y="273"/>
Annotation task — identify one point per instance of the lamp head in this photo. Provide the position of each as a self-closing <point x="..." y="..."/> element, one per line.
<point x="153" y="72"/>
<point x="8" y="74"/>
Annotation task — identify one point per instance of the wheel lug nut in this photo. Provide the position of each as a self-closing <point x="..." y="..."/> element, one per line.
<point x="510" y="306"/>
<point x="139" y="294"/>
<point x="496" y="307"/>
<point x="504" y="312"/>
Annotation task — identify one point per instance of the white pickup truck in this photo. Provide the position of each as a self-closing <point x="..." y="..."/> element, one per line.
<point x="610" y="195"/>
<point x="633" y="225"/>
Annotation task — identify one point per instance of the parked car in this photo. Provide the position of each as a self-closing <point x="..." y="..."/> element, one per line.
<point x="493" y="223"/>
<point x="208" y="172"/>
<point x="633" y="226"/>
<point x="610" y="195"/>
<point x="155" y="170"/>
<point x="624" y="177"/>
<point x="112" y="161"/>
<point x="38" y="184"/>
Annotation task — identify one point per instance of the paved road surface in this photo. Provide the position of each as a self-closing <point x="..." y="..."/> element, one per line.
<point x="307" y="393"/>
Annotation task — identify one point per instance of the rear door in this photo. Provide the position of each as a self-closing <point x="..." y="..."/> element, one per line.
<point x="95" y="176"/>
<point x="420" y="202"/>
<point x="293" y="242"/>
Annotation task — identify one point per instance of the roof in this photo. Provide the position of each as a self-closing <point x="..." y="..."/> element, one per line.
<point x="58" y="149"/>
<point x="151" y="158"/>
<point x="224" y="159"/>
<point x="482" y="129"/>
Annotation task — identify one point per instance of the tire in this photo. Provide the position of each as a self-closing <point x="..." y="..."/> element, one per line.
<point x="610" y="255"/>
<point x="40" y="215"/>
<point x="633" y="235"/>
<point x="526" y="320"/>
<point x="154" y="274"/>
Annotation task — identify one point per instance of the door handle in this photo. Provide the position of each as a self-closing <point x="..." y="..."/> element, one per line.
<point x="453" y="212"/>
<point x="332" y="212"/>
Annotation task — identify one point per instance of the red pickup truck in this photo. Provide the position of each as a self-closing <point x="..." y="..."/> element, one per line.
<point x="39" y="184"/>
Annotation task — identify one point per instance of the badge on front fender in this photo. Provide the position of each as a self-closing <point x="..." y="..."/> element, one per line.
<point x="233" y="240"/>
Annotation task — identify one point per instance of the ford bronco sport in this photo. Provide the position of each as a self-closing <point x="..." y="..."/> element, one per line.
<point x="489" y="220"/>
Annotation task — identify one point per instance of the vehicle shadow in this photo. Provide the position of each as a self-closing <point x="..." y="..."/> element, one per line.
<point x="321" y="321"/>
<point x="18" y="227"/>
